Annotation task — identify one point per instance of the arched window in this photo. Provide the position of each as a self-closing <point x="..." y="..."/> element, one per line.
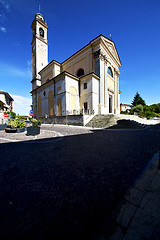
<point x="80" y="72"/>
<point x="41" y="32"/>
<point x="50" y="103"/>
<point x="109" y="71"/>
<point x="39" y="106"/>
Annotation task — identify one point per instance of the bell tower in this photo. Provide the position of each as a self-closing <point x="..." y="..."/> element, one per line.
<point x="39" y="48"/>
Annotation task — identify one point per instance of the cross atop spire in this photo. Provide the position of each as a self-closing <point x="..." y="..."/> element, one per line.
<point x="39" y="8"/>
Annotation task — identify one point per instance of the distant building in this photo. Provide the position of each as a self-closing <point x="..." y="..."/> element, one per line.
<point x="86" y="82"/>
<point x="6" y="104"/>
<point x="125" y="106"/>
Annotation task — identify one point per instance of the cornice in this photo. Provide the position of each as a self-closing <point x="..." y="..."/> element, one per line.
<point x="44" y="24"/>
<point x="111" y="54"/>
<point x="55" y="79"/>
<point x="41" y="39"/>
<point x="110" y="90"/>
<point x="7" y="94"/>
<point x="76" y="54"/>
<point x="49" y="65"/>
<point x="92" y="74"/>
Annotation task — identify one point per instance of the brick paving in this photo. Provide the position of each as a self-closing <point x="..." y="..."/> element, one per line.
<point x="65" y="189"/>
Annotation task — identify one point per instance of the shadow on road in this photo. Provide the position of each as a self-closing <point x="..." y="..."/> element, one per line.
<point x="65" y="189"/>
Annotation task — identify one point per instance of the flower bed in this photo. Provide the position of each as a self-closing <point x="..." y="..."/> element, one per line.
<point x="15" y="125"/>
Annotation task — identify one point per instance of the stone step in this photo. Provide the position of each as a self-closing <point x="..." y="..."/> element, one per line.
<point x="111" y="121"/>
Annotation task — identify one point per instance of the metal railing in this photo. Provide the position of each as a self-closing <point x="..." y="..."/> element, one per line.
<point x="80" y="112"/>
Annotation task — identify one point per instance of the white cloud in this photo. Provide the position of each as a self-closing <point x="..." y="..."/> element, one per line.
<point x="3" y="29"/>
<point x="21" y="104"/>
<point x="14" y="71"/>
<point x="5" y="4"/>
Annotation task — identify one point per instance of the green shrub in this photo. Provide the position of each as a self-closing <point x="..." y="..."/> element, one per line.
<point x="22" y="117"/>
<point x="12" y="124"/>
<point x="157" y="115"/>
<point x="35" y="122"/>
<point x="138" y="109"/>
<point x="13" y="114"/>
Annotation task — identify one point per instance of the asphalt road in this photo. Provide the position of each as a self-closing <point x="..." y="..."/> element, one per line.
<point x="64" y="188"/>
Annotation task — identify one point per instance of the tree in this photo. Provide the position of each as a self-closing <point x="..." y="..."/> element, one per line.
<point x="137" y="100"/>
<point x="13" y="115"/>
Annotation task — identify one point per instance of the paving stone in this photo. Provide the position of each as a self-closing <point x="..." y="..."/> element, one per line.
<point x="143" y="184"/>
<point x="117" y="235"/>
<point x="144" y="223"/>
<point x="155" y="184"/>
<point x="131" y="234"/>
<point x="156" y="234"/>
<point x="134" y="196"/>
<point x="143" y="202"/>
<point x="126" y="213"/>
<point x="67" y="188"/>
<point x="152" y="207"/>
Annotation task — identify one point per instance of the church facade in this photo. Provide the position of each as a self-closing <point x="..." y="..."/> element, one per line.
<point x="85" y="83"/>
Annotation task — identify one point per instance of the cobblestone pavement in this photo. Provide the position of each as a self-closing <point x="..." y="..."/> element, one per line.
<point x="137" y="216"/>
<point x="16" y="137"/>
<point x="65" y="189"/>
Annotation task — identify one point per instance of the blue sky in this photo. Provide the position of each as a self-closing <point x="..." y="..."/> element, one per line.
<point x="134" y="26"/>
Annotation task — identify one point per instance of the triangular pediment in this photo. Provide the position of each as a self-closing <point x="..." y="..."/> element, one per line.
<point x="109" y="44"/>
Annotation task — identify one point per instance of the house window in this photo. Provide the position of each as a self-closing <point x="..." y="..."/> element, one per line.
<point x="85" y="85"/>
<point x="85" y="106"/>
<point x="109" y="71"/>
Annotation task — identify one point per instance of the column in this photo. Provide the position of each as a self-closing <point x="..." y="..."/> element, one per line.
<point x="105" y="83"/>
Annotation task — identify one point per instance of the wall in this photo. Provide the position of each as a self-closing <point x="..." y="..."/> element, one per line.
<point x="51" y="71"/>
<point x="81" y="60"/>
<point x="67" y="120"/>
<point x="86" y="94"/>
<point x="2" y="98"/>
<point x="95" y="94"/>
<point x="91" y="93"/>
<point x="70" y="82"/>
<point x="61" y="90"/>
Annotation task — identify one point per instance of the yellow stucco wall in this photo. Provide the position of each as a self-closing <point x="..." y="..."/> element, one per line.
<point x="59" y="106"/>
<point x="50" y="103"/>
<point x="73" y="96"/>
<point x="47" y="77"/>
<point x="110" y="82"/>
<point x="81" y="60"/>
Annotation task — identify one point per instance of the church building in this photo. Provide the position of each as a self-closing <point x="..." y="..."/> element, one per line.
<point x="85" y="83"/>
